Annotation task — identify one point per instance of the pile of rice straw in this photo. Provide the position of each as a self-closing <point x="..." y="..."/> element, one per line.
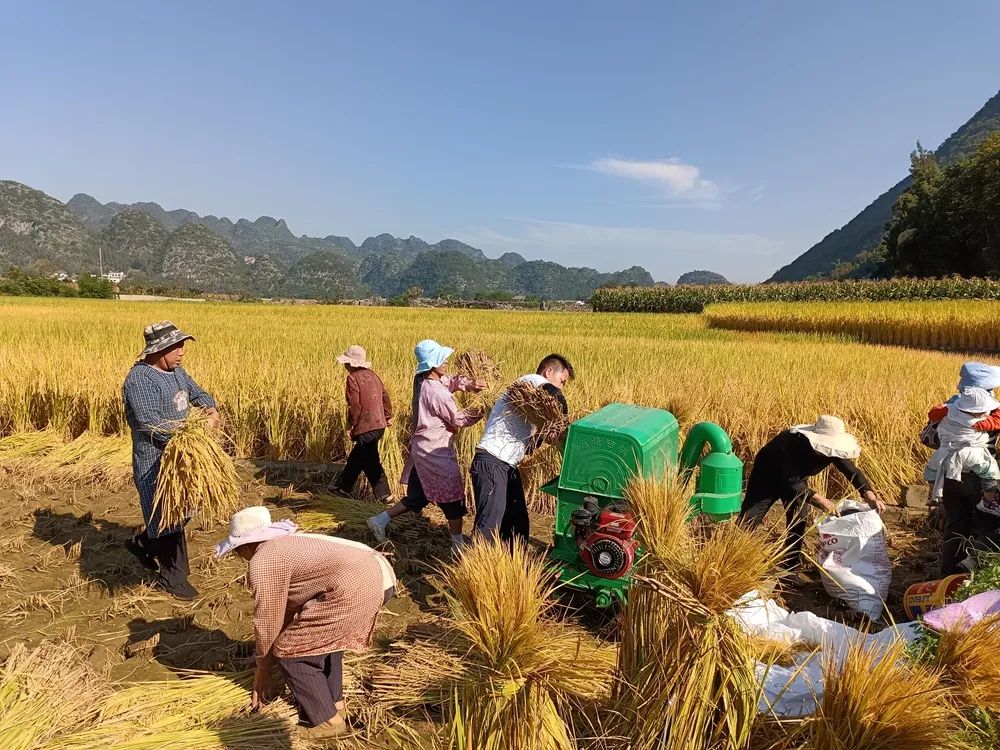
<point x="196" y="476"/>
<point x="538" y="408"/>
<point x="50" y="699"/>
<point x="506" y="674"/>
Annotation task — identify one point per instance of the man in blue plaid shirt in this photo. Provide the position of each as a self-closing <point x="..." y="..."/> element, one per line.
<point x="158" y="393"/>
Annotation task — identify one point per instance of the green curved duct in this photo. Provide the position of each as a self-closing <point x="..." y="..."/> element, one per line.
<point x="694" y="446"/>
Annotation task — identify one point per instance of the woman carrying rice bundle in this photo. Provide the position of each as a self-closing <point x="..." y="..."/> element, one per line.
<point x="431" y="473"/>
<point x="315" y="597"/>
<point x="158" y="394"/>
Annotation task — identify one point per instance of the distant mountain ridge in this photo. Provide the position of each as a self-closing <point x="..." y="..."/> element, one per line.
<point x="263" y="257"/>
<point x="865" y="230"/>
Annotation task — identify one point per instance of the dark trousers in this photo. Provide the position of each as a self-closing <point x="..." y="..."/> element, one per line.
<point x="364" y="457"/>
<point x="755" y="507"/>
<point x="171" y="554"/>
<point x="498" y="489"/>
<point x="317" y="683"/>
<point x="965" y="528"/>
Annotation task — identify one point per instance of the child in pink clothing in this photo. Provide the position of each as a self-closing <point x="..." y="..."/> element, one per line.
<point x="431" y="473"/>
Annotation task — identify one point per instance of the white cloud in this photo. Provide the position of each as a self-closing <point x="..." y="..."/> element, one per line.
<point x="677" y="179"/>
<point x="756" y="193"/>
<point x="666" y="253"/>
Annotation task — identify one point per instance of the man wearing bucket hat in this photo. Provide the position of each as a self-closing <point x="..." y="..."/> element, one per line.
<point x="431" y="473"/>
<point x="315" y="596"/>
<point x="964" y="476"/>
<point x="782" y="468"/>
<point x="369" y="413"/>
<point x="157" y="394"/>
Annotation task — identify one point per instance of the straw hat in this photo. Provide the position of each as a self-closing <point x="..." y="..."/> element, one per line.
<point x="355" y="356"/>
<point x="252" y="525"/>
<point x="161" y="336"/>
<point x="830" y="437"/>
<point x="430" y="354"/>
<point x="976" y="401"/>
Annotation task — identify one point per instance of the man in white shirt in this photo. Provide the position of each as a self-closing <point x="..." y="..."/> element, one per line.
<point x="501" y="509"/>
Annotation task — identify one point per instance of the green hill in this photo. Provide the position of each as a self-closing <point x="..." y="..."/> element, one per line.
<point x="182" y="249"/>
<point x="865" y="230"/>
<point x="36" y="229"/>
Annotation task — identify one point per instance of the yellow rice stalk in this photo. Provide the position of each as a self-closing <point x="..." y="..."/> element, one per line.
<point x="686" y="670"/>
<point x="538" y="408"/>
<point x="196" y="476"/>
<point x="90" y="458"/>
<point x="504" y="669"/>
<point x="969" y="665"/>
<point x="43" y="693"/>
<point x="477" y="364"/>
<point x="875" y="700"/>
<point x="203" y="712"/>
<point x="330" y="510"/>
<point x="783" y="653"/>
<point x="23" y="446"/>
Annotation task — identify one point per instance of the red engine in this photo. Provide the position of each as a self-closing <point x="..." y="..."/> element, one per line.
<point x="605" y="538"/>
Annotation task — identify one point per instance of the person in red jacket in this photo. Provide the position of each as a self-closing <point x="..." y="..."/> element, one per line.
<point x="369" y="413"/>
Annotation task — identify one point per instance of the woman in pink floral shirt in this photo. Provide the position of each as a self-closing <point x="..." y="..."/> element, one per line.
<point x="431" y="474"/>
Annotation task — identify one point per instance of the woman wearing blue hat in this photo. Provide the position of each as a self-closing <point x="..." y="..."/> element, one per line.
<point x="431" y="473"/>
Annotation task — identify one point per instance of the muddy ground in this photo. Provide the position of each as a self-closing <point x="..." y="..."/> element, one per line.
<point x="64" y="570"/>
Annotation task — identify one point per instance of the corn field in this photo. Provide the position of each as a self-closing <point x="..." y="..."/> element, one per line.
<point x="272" y="370"/>
<point x="693" y="299"/>
<point x="961" y="326"/>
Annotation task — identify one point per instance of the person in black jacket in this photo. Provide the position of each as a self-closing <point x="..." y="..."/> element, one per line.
<point x="782" y="468"/>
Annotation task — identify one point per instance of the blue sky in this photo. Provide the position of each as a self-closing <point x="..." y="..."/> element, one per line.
<point x="675" y="135"/>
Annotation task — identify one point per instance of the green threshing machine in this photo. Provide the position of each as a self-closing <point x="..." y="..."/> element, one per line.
<point x="594" y="546"/>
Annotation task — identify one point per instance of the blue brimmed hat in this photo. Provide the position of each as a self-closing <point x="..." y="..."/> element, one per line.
<point x="430" y="354"/>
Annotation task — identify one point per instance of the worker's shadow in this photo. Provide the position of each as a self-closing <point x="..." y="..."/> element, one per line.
<point x="97" y="544"/>
<point x="178" y="643"/>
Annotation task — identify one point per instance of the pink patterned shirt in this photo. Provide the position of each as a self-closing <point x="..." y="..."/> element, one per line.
<point x="432" y="450"/>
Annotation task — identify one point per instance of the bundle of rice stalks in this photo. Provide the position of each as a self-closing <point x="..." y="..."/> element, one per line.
<point x="538" y="408"/>
<point x="969" y="664"/>
<point x="686" y="669"/>
<point x="502" y="667"/>
<point x="873" y="700"/>
<point x="476" y="364"/>
<point x="196" y="476"/>
<point x="45" y="692"/>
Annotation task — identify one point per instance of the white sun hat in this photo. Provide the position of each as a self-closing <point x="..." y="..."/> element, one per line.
<point x="251" y="525"/>
<point x="976" y="401"/>
<point x="830" y="437"/>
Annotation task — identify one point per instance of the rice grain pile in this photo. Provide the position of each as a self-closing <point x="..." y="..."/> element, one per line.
<point x="196" y="476"/>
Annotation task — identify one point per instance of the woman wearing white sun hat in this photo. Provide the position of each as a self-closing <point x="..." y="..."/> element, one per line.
<point x="782" y="468"/>
<point x="315" y="597"/>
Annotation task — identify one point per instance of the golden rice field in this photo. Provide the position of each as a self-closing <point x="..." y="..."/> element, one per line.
<point x="960" y="325"/>
<point x="272" y="370"/>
